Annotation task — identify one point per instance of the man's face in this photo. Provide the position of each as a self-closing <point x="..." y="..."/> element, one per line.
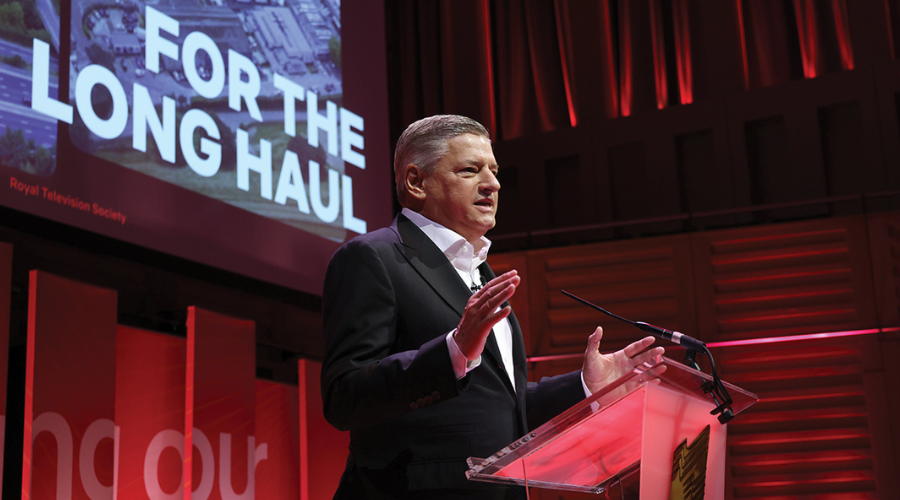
<point x="461" y="193"/>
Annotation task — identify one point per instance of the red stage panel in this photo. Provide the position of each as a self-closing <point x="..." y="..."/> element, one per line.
<point x="150" y="375"/>
<point x="278" y="441"/>
<point x="323" y="449"/>
<point x="70" y="390"/>
<point x="220" y="403"/>
<point x="6" y="252"/>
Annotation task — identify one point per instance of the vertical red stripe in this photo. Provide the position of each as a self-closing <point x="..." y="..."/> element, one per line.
<point x="224" y="371"/>
<point x="189" y="405"/>
<point x="150" y="371"/>
<point x="682" y="24"/>
<point x="304" y="429"/>
<point x="489" y="63"/>
<point x="841" y="23"/>
<point x="563" y="34"/>
<point x="889" y="28"/>
<point x="625" y="58"/>
<point x="659" y="54"/>
<point x="812" y="38"/>
<point x="739" y="7"/>
<point x="277" y="432"/>
<point x="29" y="388"/>
<point x="806" y="28"/>
<point x="70" y="393"/>
<point x="446" y="60"/>
<point x="6" y="255"/>
<point x="612" y="96"/>
<point x="323" y="448"/>
<point x="536" y="74"/>
<point x="511" y="77"/>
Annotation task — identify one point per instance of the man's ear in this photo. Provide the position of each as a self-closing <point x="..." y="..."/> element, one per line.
<point x="413" y="179"/>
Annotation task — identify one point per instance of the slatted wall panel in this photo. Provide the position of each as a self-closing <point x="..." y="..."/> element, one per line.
<point x="826" y="425"/>
<point x="893" y="232"/>
<point x="812" y="435"/>
<point x="784" y="279"/>
<point x="647" y="280"/>
<point x="884" y="236"/>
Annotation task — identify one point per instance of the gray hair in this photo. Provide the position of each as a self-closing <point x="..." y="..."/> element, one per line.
<point x="424" y="143"/>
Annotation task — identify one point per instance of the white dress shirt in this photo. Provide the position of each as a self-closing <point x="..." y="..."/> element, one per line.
<point x="466" y="258"/>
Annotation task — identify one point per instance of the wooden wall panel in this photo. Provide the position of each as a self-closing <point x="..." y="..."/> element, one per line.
<point x="818" y="428"/>
<point x="884" y="237"/>
<point x="826" y="425"/>
<point x="784" y="279"/>
<point x="762" y="281"/>
<point x="884" y="234"/>
<point x="648" y="280"/>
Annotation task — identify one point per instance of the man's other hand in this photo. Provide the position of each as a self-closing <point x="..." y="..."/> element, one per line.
<point x="601" y="369"/>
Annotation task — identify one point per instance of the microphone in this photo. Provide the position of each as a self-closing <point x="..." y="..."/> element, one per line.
<point x="693" y="346"/>
<point x="679" y="338"/>
<point x="477" y="286"/>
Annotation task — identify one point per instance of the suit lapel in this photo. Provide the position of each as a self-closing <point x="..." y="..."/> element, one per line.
<point x="518" y="343"/>
<point x="520" y="366"/>
<point x="428" y="260"/>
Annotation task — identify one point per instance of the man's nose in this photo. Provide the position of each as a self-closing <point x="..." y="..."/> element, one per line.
<point x="489" y="180"/>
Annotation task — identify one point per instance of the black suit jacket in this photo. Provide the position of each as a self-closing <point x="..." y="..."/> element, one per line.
<point x="389" y="300"/>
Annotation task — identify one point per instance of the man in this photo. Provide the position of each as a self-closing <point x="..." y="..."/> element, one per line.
<point x="423" y="372"/>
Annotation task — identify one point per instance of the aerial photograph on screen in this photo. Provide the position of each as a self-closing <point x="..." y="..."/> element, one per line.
<point x="27" y="139"/>
<point x="296" y="40"/>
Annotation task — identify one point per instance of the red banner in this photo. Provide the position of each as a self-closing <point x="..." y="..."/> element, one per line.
<point x="219" y="398"/>
<point x="6" y="252"/>
<point x="84" y="373"/>
<point x="70" y="390"/>
<point x="278" y="441"/>
<point x="323" y="449"/>
<point x="150" y="414"/>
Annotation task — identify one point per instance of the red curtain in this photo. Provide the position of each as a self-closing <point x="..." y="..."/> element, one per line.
<point x="530" y="71"/>
<point x="804" y="10"/>
<point x="657" y="36"/>
<point x="566" y="50"/>
<point x="682" y="28"/>
<point x="441" y="60"/>
<point x="842" y="28"/>
<point x="530" y="66"/>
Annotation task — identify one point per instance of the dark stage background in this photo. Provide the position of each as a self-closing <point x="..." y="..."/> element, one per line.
<point x="729" y="169"/>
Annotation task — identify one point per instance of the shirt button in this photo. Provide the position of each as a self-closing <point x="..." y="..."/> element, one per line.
<point x="435" y="395"/>
<point x="413" y="406"/>
<point x="428" y="400"/>
<point x="420" y="401"/>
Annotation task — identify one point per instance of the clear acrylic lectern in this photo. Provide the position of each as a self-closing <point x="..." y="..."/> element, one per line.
<point x="632" y="425"/>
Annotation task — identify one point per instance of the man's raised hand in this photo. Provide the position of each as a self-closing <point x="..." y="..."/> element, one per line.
<point x="482" y="313"/>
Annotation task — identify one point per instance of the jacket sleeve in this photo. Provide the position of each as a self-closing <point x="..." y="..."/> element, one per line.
<point x="365" y="381"/>
<point x="551" y="396"/>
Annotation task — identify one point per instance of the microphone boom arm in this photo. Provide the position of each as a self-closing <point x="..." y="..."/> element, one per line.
<point x="693" y="347"/>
